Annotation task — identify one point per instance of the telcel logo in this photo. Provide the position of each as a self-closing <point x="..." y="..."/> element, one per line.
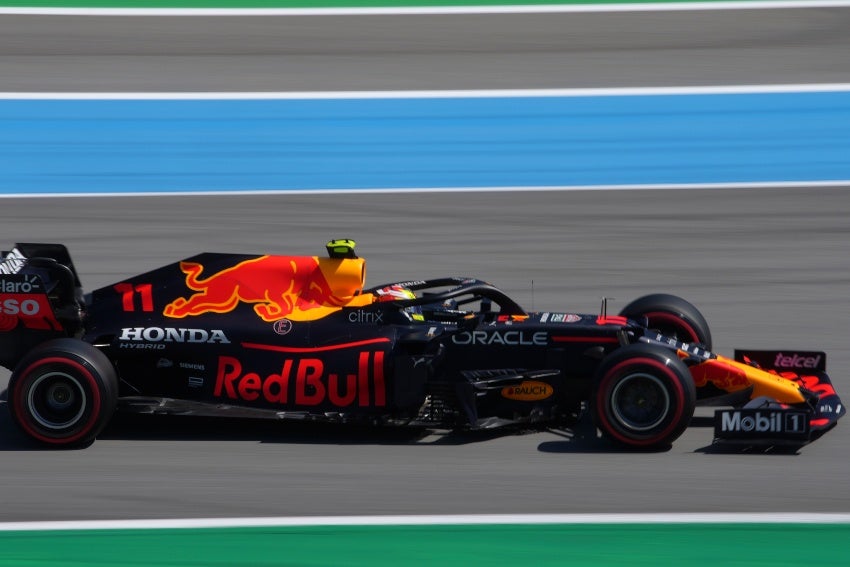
<point x="796" y="361"/>
<point x="528" y="391"/>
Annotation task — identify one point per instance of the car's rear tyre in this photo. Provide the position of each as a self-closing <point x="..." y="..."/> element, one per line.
<point x="644" y="397"/>
<point x="671" y="316"/>
<point x="63" y="393"/>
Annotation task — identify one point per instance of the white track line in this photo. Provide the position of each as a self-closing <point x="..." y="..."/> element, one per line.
<point x="635" y="187"/>
<point x="434" y="94"/>
<point x="497" y="519"/>
<point x="433" y="10"/>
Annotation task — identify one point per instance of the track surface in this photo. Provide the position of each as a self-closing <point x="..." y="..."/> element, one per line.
<point x="51" y="53"/>
<point x="767" y="267"/>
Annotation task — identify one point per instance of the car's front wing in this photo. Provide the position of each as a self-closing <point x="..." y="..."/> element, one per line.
<point x="790" y="404"/>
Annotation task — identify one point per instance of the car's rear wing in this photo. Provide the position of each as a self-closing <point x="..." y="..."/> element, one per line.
<point x="40" y="298"/>
<point x="32" y="254"/>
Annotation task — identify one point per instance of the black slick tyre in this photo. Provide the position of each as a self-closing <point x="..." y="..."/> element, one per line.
<point x="644" y="397"/>
<point x="671" y="316"/>
<point x="63" y="393"/>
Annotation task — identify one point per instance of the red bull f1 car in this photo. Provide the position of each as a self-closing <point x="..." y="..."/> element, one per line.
<point x="302" y="337"/>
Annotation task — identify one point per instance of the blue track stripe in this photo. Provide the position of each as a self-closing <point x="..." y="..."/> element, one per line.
<point x="109" y="146"/>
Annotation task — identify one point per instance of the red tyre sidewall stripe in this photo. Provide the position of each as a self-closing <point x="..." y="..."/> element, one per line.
<point x="675" y="319"/>
<point x="603" y="394"/>
<point x="20" y="404"/>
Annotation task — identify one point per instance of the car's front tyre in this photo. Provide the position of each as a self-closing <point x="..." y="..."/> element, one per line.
<point x="644" y="397"/>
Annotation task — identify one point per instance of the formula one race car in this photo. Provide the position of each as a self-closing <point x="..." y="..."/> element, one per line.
<point x="301" y="337"/>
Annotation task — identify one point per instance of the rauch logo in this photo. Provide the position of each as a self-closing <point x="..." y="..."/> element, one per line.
<point x="528" y="391"/>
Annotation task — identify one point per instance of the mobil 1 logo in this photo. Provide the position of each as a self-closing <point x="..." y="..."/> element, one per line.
<point x="753" y="424"/>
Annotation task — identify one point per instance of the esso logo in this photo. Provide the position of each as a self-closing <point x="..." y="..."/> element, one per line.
<point x="28" y="307"/>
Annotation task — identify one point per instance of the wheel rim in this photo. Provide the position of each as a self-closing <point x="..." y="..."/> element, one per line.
<point x="57" y="400"/>
<point x="640" y="402"/>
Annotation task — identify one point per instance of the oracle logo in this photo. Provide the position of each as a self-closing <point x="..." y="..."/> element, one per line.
<point x="506" y="338"/>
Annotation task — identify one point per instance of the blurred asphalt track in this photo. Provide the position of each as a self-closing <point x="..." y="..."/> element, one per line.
<point x="767" y="267"/>
<point x="74" y="53"/>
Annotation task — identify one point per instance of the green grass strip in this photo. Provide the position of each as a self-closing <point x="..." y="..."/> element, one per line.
<point x="599" y="545"/>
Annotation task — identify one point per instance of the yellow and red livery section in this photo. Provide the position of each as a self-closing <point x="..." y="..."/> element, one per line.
<point x="770" y="387"/>
<point x="733" y="376"/>
<point x="299" y="288"/>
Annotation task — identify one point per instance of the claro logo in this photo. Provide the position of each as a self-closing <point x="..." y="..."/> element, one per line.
<point x="528" y="391"/>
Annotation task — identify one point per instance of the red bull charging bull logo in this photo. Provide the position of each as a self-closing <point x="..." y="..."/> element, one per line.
<point x="295" y="287"/>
